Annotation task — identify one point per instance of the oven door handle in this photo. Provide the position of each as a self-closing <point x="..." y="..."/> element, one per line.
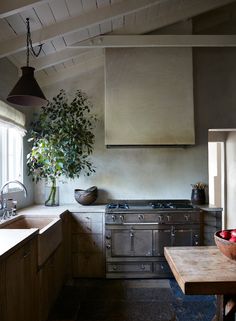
<point x="142" y="223"/>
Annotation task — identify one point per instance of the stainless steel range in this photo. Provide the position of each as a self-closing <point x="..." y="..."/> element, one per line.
<point x="136" y="232"/>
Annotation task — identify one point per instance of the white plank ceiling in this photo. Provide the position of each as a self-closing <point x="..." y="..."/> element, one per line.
<point x="72" y="30"/>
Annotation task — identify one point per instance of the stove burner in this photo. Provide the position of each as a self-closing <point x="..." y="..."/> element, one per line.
<point x="161" y="205"/>
<point x="118" y="206"/>
<point x="147" y="205"/>
<point x="171" y="205"/>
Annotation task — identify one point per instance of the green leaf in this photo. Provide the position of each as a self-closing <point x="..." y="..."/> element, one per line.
<point x="62" y="138"/>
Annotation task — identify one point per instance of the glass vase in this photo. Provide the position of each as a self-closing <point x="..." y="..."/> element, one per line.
<point x="51" y="193"/>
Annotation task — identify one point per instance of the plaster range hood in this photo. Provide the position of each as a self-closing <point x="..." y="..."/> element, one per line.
<point x="149" y="97"/>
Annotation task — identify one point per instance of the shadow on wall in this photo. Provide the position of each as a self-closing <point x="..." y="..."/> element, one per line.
<point x="103" y="196"/>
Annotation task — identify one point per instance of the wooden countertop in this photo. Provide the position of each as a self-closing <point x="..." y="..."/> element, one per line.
<point x="202" y="270"/>
<point x="58" y="210"/>
<point x="10" y="240"/>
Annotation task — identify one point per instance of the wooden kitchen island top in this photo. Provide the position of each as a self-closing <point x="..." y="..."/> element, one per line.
<point x="205" y="270"/>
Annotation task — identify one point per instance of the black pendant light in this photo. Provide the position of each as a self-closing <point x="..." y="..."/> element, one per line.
<point x="27" y="91"/>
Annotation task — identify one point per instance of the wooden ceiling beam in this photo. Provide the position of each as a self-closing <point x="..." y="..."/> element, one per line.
<point x="129" y="41"/>
<point x="183" y="10"/>
<point x="60" y="57"/>
<point x="77" y="23"/>
<point x="8" y="8"/>
<point x="74" y="71"/>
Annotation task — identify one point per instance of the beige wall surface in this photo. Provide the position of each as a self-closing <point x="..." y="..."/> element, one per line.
<point x="149" y="96"/>
<point x="231" y="179"/>
<point x="138" y="173"/>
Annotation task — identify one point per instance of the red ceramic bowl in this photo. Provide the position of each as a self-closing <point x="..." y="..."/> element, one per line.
<point x="226" y="247"/>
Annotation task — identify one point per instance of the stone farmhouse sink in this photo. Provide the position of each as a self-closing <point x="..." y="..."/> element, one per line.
<point x="49" y="236"/>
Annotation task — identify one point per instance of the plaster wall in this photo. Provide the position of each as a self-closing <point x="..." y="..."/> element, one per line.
<point x="230" y="179"/>
<point x="137" y="173"/>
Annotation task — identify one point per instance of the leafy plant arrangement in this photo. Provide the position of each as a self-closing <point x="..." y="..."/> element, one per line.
<point x="199" y="185"/>
<point x="62" y="140"/>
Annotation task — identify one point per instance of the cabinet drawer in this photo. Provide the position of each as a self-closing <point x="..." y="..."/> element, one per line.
<point x="86" y="224"/>
<point x="129" y="267"/>
<point x="87" y="227"/>
<point x="87" y="243"/>
<point x="95" y="217"/>
<point x="88" y="265"/>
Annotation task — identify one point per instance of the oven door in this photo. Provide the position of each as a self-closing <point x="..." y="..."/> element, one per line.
<point x="175" y="235"/>
<point x="186" y="235"/>
<point x="129" y="241"/>
<point x="162" y="237"/>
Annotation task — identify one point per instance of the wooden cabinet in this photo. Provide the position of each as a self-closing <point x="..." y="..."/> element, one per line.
<point x="212" y="222"/>
<point x="87" y="245"/>
<point x="66" y="246"/>
<point x="2" y="291"/>
<point x="50" y="278"/>
<point x="54" y="272"/>
<point x="19" y="283"/>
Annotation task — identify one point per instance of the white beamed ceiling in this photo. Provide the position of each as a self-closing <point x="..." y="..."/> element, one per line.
<point x="72" y="30"/>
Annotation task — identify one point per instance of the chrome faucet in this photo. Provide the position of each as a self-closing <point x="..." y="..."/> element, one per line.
<point x="3" y="201"/>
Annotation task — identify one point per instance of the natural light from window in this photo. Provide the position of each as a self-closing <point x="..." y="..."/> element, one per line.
<point x="11" y="145"/>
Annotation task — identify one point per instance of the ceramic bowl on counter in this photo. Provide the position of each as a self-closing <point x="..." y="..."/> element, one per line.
<point x="226" y="243"/>
<point x="86" y="197"/>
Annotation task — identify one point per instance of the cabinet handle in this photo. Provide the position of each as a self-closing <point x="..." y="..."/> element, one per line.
<point x="142" y="267"/>
<point x="187" y="216"/>
<point x="26" y="254"/>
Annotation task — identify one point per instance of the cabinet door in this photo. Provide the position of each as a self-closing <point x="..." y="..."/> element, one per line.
<point x="131" y="243"/>
<point x="46" y="288"/>
<point x="87" y="244"/>
<point x="21" y="272"/>
<point x="88" y="265"/>
<point x="162" y="238"/>
<point x="186" y="237"/>
<point x="50" y="282"/>
<point x="2" y="291"/>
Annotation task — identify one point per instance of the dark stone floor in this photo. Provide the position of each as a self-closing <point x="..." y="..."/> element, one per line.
<point x="130" y="300"/>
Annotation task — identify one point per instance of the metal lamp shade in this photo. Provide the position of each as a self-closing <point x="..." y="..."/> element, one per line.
<point x="27" y="91"/>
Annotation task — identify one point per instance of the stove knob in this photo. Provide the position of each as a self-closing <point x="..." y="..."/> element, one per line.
<point x="187" y="217"/>
<point x="108" y="237"/>
<point x="160" y="217"/>
<point x="108" y="246"/>
<point x="141" y="217"/>
<point x="122" y="218"/>
<point x="113" y="218"/>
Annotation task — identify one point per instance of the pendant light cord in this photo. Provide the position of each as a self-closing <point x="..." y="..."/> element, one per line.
<point x="30" y="45"/>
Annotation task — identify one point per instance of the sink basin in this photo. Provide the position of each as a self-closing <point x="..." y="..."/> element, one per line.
<point x="49" y="236"/>
<point x="25" y="222"/>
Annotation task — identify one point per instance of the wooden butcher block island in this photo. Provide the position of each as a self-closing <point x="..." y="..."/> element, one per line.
<point x="205" y="270"/>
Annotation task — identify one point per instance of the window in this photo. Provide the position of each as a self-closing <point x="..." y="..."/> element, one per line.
<point x="11" y="144"/>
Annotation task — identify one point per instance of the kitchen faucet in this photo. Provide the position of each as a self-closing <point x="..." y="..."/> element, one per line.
<point x="3" y="201"/>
